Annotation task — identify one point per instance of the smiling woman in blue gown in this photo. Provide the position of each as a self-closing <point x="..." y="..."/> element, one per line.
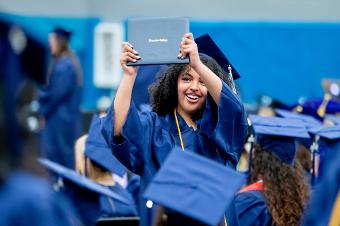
<point x="193" y="107"/>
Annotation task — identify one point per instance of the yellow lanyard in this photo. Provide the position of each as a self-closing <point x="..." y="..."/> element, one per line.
<point x="179" y="130"/>
<point x="182" y="145"/>
<point x="335" y="217"/>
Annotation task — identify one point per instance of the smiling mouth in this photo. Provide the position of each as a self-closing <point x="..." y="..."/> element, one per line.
<point x="192" y="98"/>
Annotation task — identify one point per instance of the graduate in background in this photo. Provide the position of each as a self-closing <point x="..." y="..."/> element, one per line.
<point x="193" y="107"/>
<point x="59" y="101"/>
<point x="96" y="161"/>
<point x="324" y="206"/>
<point x="278" y="191"/>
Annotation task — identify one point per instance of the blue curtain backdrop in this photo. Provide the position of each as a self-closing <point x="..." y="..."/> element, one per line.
<point x="283" y="60"/>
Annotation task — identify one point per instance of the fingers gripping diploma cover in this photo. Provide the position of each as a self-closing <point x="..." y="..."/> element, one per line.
<point x="157" y="40"/>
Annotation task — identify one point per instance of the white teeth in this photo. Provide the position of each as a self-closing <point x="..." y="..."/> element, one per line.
<point x="193" y="97"/>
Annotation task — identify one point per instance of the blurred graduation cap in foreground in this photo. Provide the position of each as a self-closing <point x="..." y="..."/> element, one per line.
<point x="84" y="193"/>
<point x="99" y="152"/>
<point x="188" y="183"/>
<point x="79" y="180"/>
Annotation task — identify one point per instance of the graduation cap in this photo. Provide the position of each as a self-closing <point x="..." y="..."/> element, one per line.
<point x="81" y="181"/>
<point x="62" y="32"/>
<point x="277" y="135"/>
<point x="334" y="119"/>
<point x="99" y="152"/>
<point x="207" y="46"/>
<point x="307" y="119"/>
<point x="331" y="133"/>
<point x="188" y="183"/>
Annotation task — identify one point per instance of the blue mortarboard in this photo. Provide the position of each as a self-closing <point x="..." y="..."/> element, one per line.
<point x="276" y="135"/>
<point x="333" y="118"/>
<point x="98" y="151"/>
<point x="62" y="32"/>
<point x="188" y="183"/>
<point x="327" y="132"/>
<point x="81" y="181"/>
<point x="307" y="119"/>
<point x="207" y="46"/>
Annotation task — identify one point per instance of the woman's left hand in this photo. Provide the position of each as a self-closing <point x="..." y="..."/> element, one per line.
<point x="188" y="47"/>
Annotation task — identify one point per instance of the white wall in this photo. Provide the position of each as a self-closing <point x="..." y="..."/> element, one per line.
<point x="234" y="10"/>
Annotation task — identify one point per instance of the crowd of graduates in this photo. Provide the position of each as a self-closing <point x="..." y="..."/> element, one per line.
<point x="192" y="156"/>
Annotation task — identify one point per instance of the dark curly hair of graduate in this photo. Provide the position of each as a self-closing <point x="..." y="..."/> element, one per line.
<point x="285" y="189"/>
<point x="163" y="92"/>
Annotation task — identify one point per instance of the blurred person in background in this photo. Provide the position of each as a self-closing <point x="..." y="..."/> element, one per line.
<point x="59" y="101"/>
<point x="26" y="196"/>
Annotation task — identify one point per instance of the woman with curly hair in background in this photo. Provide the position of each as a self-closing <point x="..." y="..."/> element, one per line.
<point x="278" y="191"/>
<point x="192" y="107"/>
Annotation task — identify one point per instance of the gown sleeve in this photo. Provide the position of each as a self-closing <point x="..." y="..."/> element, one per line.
<point x="133" y="148"/>
<point x="228" y="128"/>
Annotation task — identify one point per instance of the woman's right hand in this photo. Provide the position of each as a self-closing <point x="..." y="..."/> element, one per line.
<point x="129" y="55"/>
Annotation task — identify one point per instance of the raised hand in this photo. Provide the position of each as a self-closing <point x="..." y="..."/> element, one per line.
<point x="188" y="47"/>
<point x="129" y="55"/>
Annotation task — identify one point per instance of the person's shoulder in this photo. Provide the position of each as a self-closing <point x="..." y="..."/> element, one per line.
<point x="251" y="195"/>
<point x="22" y="189"/>
<point x="65" y="63"/>
<point x="25" y="185"/>
<point x="250" y="199"/>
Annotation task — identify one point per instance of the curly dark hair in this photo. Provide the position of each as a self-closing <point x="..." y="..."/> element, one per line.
<point x="164" y="90"/>
<point x="285" y="188"/>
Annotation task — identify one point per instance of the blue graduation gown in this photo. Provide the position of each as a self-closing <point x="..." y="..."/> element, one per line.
<point x="113" y="208"/>
<point x="251" y="209"/>
<point x="60" y="106"/>
<point x="134" y="188"/>
<point x="147" y="138"/>
<point x="26" y="199"/>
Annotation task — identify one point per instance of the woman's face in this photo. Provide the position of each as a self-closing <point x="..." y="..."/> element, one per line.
<point x="53" y="44"/>
<point x="191" y="92"/>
